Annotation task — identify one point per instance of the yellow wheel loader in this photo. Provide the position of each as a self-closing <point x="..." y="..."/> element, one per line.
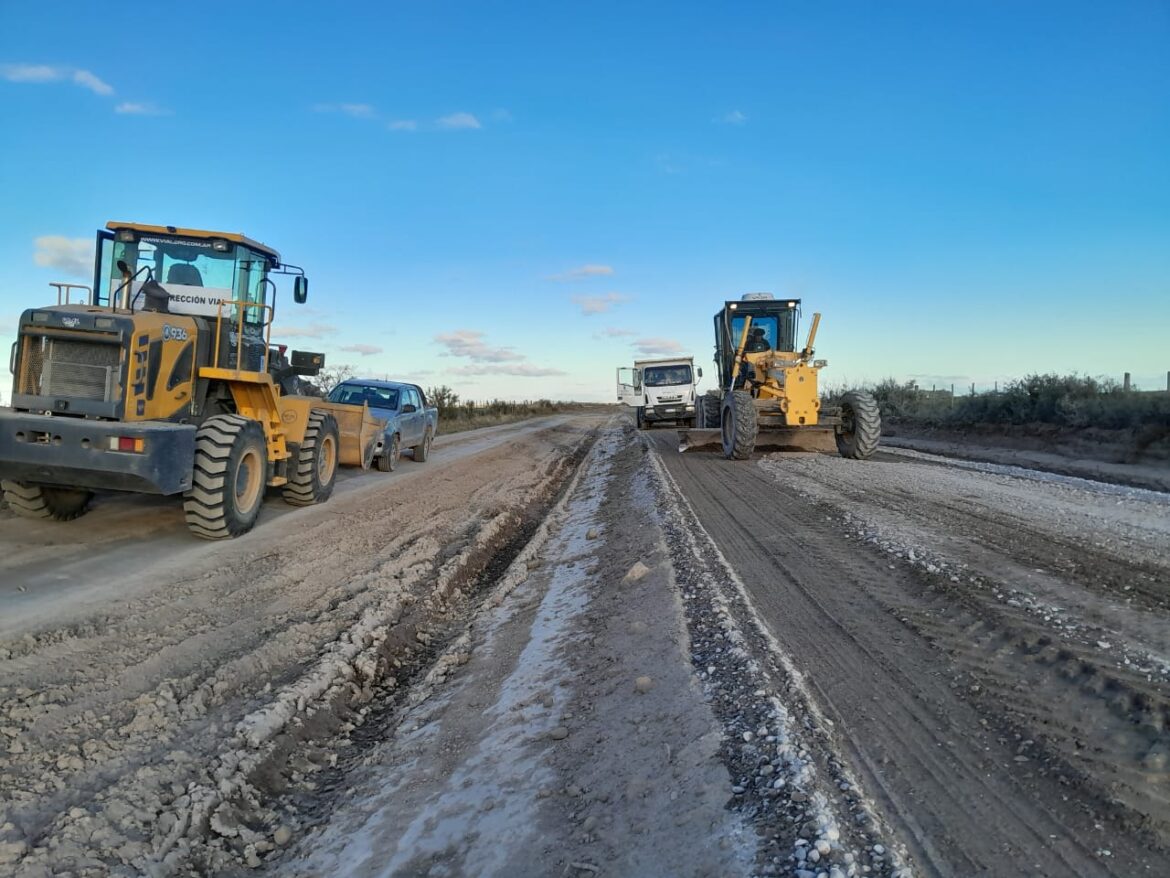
<point x="768" y="394"/>
<point x="161" y="380"/>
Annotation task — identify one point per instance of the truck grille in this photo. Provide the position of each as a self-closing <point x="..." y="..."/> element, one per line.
<point x="69" y="369"/>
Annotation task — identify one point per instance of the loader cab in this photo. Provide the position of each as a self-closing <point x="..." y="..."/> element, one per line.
<point x="777" y="318"/>
<point x="202" y="274"/>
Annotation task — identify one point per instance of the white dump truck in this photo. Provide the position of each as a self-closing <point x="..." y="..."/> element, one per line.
<point x="659" y="390"/>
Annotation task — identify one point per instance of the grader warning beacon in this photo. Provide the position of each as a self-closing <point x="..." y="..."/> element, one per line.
<point x="768" y="393"/>
<point x="159" y="380"/>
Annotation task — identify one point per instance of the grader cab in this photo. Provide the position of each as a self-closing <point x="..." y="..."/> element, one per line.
<point x="768" y="392"/>
<point x="161" y="380"/>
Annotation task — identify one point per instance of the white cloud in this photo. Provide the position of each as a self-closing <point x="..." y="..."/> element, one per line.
<point x="658" y="346"/>
<point x="87" y="80"/>
<point x="130" y="108"/>
<point x="365" y="350"/>
<point x="312" y="330"/>
<point x="598" y="304"/>
<point x="74" y="256"/>
<point x="458" y="121"/>
<point x="522" y="370"/>
<point x="581" y="273"/>
<point x="39" y="73"/>
<point x="32" y="73"/>
<point x="357" y="111"/>
<point x="469" y="343"/>
<point x="402" y="125"/>
<point x="735" y="117"/>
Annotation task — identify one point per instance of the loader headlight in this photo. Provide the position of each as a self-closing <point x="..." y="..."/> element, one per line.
<point x="126" y="236"/>
<point x="820" y="364"/>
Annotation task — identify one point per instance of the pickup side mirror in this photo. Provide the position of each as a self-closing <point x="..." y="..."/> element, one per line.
<point x="300" y="289"/>
<point x="700" y="371"/>
<point x="409" y="407"/>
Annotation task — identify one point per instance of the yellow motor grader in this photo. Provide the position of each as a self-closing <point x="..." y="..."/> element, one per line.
<point x="161" y="380"/>
<point x="768" y="392"/>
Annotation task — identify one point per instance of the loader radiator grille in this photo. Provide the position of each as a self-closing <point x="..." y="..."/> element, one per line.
<point x="69" y="369"/>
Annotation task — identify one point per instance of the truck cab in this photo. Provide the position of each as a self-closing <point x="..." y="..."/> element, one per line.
<point x="659" y="390"/>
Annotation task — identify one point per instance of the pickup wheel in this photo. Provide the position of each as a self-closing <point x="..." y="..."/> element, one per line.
<point x="388" y="459"/>
<point x="314" y="472"/>
<point x="44" y="501"/>
<point x="423" y="450"/>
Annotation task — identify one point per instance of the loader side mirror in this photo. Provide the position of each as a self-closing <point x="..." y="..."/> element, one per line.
<point x="699" y="371"/>
<point x="300" y="289"/>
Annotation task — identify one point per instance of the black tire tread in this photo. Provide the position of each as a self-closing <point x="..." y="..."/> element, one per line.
<point x="204" y="502"/>
<point x="301" y="488"/>
<point x="45" y="501"/>
<point x="867" y="426"/>
<point x="743" y="413"/>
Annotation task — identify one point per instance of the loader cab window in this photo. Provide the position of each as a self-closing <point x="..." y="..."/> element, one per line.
<point x="666" y="376"/>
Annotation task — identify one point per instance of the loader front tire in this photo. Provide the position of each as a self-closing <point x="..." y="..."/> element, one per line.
<point x="230" y="474"/>
<point x="314" y="473"/>
<point x="861" y="425"/>
<point x="46" y="501"/>
<point x="738" y="425"/>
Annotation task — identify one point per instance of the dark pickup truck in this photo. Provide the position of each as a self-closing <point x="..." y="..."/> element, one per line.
<point x="410" y="422"/>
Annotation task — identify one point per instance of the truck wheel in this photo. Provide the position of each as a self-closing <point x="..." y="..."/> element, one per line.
<point x="739" y="425"/>
<point x="423" y="450"/>
<point x="861" y="425"/>
<point x="311" y="480"/>
<point x="231" y="469"/>
<point x="388" y="459"/>
<point x="711" y="410"/>
<point x="45" y="501"/>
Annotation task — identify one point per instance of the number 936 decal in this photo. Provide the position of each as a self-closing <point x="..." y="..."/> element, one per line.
<point x="174" y="333"/>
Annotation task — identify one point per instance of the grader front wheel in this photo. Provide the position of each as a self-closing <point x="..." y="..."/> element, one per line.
<point x="738" y="425"/>
<point x="861" y="426"/>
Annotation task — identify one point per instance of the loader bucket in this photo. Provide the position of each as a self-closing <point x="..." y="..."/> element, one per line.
<point x="359" y="430"/>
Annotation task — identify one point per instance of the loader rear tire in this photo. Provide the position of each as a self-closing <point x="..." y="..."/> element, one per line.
<point x="230" y="474"/>
<point x="423" y="450"/>
<point x="861" y="426"/>
<point x="738" y="425"/>
<point x="46" y="501"/>
<point x="312" y="478"/>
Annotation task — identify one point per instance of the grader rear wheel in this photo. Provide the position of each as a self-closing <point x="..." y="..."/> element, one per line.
<point x="739" y="425"/>
<point x="861" y="426"/>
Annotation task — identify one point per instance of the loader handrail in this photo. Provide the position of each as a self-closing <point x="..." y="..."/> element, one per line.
<point x="64" y="292"/>
<point x="242" y="306"/>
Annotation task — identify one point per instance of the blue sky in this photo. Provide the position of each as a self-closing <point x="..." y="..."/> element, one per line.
<point x="513" y="199"/>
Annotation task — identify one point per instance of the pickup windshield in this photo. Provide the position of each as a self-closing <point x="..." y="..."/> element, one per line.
<point x="666" y="376"/>
<point x="356" y="394"/>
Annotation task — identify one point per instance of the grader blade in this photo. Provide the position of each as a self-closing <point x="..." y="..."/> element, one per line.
<point x="814" y="439"/>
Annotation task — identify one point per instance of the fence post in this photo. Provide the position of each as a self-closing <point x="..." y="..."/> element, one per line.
<point x="1168" y="382"/>
<point x="1125" y="383"/>
<point x="952" y="396"/>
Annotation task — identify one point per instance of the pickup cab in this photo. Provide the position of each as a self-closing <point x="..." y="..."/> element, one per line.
<point x="410" y="422"/>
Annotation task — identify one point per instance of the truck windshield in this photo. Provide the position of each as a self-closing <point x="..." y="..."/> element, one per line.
<point x="374" y="397"/>
<point x="664" y="376"/>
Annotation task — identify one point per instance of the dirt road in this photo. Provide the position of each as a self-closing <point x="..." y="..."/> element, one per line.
<point x="563" y="648"/>
<point x="992" y="650"/>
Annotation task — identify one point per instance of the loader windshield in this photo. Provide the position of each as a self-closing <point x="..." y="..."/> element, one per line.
<point x="198" y="274"/>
